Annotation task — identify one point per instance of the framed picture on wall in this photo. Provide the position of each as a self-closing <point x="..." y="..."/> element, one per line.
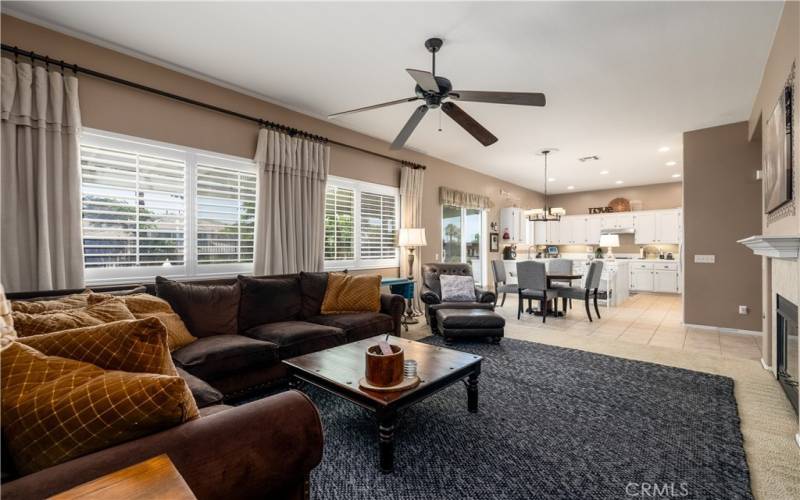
<point x="494" y="242"/>
<point x="778" y="153"/>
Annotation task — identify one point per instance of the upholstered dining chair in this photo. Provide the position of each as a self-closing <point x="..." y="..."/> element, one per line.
<point x="500" y="281"/>
<point x="560" y="266"/>
<point x="532" y="282"/>
<point x="589" y="291"/>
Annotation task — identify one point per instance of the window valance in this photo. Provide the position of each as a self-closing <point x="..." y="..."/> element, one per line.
<point x="457" y="198"/>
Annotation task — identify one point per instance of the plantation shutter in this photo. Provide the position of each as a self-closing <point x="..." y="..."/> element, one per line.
<point x="339" y="223"/>
<point x="378" y="226"/>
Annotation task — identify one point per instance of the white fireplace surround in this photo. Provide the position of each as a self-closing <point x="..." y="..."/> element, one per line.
<point x="775" y="247"/>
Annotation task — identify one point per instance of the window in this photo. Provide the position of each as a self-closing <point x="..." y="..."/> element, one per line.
<point x="154" y="209"/>
<point x="463" y="238"/>
<point x="361" y="221"/>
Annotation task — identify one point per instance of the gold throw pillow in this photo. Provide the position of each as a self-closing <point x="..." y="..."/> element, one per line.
<point x="138" y="345"/>
<point x="348" y="293"/>
<point x="42" y="306"/>
<point x="144" y="305"/>
<point x="56" y="409"/>
<point x="97" y="314"/>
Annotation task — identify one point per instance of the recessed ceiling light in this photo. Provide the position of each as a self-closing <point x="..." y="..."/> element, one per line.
<point x="676" y="175"/>
<point x="618" y="182"/>
<point x="663" y="149"/>
<point x="570" y="187"/>
<point x="604" y="172"/>
<point x="551" y="179"/>
<point x="671" y="163"/>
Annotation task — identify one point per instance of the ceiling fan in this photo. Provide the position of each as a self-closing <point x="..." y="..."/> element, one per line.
<point x="434" y="90"/>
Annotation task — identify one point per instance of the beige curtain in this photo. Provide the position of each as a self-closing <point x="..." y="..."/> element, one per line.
<point x="40" y="204"/>
<point x="290" y="206"/>
<point x="411" y="216"/>
<point x="456" y="198"/>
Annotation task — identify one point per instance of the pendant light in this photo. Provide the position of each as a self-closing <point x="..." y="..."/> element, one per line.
<point x="545" y="214"/>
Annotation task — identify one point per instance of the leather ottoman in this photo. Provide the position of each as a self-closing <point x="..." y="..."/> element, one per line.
<point x="463" y="323"/>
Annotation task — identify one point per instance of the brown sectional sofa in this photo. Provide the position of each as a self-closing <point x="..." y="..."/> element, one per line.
<point x="244" y="328"/>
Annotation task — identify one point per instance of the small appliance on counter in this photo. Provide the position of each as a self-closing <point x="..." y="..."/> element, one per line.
<point x="510" y="252"/>
<point x="670" y="256"/>
<point x="552" y="252"/>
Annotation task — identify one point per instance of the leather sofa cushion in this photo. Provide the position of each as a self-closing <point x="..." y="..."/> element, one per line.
<point x="468" y="319"/>
<point x="219" y="355"/>
<point x="312" y="287"/>
<point x="358" y="326"/>
<point x="295" y="338"/>
<point x="268" y="300"/>
<point x="204" y="395"/>
<point x="207" y="310"/>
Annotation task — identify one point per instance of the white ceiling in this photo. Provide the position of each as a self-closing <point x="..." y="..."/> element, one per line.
<point x="621" y="79"/>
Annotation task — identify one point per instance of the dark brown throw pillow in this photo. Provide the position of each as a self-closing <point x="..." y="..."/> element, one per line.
<point x="268" y="300"/>
<point x="312" y="287"/>
<point x="205" y="309"/>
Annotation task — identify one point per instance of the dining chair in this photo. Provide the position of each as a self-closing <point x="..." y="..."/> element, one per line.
<point x="588" y="291"/>
<point x="532" y="282"/>
<point x="500" y="281"/>
<point x="560" y="266"/>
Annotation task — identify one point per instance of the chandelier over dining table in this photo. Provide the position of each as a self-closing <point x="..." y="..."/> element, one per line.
<point x="547" y="213"/>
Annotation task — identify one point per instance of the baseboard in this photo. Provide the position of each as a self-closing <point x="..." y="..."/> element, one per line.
<point x="765" y="366"/>
<point x="797" y="438"/>
<point x="725" y="330"/>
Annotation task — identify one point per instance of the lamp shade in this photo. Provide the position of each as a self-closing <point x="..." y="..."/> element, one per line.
<point x="411" y="237"/>
<point x="609" y="240"/>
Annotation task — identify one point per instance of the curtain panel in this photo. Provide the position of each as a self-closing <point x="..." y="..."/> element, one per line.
<point x="40" y="201"/>
<point x="411" y="216"/>
<point x="456" y="198"/>
<point x="290" y="203"/>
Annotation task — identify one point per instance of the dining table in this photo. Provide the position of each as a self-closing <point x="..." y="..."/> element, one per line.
<point x="551" y="277"/>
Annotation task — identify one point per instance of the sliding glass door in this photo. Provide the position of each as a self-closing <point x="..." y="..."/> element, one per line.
<point x="463" y="238"/>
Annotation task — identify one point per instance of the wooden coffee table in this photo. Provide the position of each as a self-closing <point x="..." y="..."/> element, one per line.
<point x="338" y="370"/>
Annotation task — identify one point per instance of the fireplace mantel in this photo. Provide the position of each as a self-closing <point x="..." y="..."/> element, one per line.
<point x="776" y="247"/>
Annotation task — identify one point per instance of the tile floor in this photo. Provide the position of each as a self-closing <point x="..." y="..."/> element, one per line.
<point x="645" y="319"/>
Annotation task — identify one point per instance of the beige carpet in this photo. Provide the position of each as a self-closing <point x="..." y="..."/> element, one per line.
<point x="769" y="423"/>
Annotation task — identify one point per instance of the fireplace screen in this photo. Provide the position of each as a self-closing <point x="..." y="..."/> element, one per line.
<point x="788" y="367"/>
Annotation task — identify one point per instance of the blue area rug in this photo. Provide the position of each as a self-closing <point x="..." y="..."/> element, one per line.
<point x="553" y="423"/>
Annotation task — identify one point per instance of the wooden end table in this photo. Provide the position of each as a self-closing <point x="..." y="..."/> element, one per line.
<point x="339" y="369"/>
<point x="153" y="478"/>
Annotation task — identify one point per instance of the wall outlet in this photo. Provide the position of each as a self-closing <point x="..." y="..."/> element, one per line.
<point x="705" y="259"/>
<point x="744" y="310"/>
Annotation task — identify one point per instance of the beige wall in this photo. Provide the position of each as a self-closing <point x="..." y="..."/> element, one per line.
<point x="721" y="204"/>
<point x="653" y="197"/>
<point x="123" y="110"/>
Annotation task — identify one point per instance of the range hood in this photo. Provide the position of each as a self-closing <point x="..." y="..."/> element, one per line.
<point x="618" y="230"/>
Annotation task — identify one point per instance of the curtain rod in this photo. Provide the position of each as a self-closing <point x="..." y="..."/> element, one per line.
<point x="144" y="88"/>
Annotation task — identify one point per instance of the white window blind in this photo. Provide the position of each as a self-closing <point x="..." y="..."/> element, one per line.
<point x="226" y="205"/>
<point x="133" y="208"/>
<point x="361" y="221"/>
<point x="378" y="226"/>
<point x="153" y="209"/>
<point x="339" y="227"/>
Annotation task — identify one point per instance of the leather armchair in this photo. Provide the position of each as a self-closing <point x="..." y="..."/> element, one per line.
<point x="431" y="291"/>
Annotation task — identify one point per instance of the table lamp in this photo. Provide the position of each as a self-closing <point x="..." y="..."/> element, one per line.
<point x="610" y="241"/>
<point x="411" y="237"/>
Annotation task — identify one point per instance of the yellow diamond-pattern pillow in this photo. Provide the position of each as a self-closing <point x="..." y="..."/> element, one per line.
<point x="59" y="304"/>
<point x="56" y="409"/>
<point x="96" y="314"/>
<point x="348" y="293"/>
<point x="127" y="345"/>
<point x="144" y="305"/>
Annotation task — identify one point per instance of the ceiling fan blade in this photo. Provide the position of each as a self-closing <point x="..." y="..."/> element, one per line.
<point x="520" y="98"/>
<point x="469" y="124"/>
<point x="409" y="127"/>
<point x="375" y="106"/>
<point x="424" y="79"/>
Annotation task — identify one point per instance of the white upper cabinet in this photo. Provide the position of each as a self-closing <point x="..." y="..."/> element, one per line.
<point x="593" y="226"/>
<point x="617" y="221"/>
<point x="511" y="220"/>
<point x="576" y="230"/>
<point x="540" y="233"/>
<point x="644" y="226"/>
<point x="668" y="226"/>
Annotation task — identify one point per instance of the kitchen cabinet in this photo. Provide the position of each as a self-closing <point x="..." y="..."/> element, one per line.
<point x="540" y="233"/>
<point x="668" y="226"/>
<point x="642" y="280"/>
<point x="644" y="226"/>
<point x="658" y="276"/>
<point x="577" y="231"/>
<point x="511" y="221"/>
<point x="617" y="221"/>
<point x="665" y="281"/>
<point x="593" y="228"/>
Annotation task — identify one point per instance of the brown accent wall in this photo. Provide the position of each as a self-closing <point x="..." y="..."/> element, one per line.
<point x="653" y="197"/>
<point x="721" y="204"/>
<point x="110" y="107"/>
